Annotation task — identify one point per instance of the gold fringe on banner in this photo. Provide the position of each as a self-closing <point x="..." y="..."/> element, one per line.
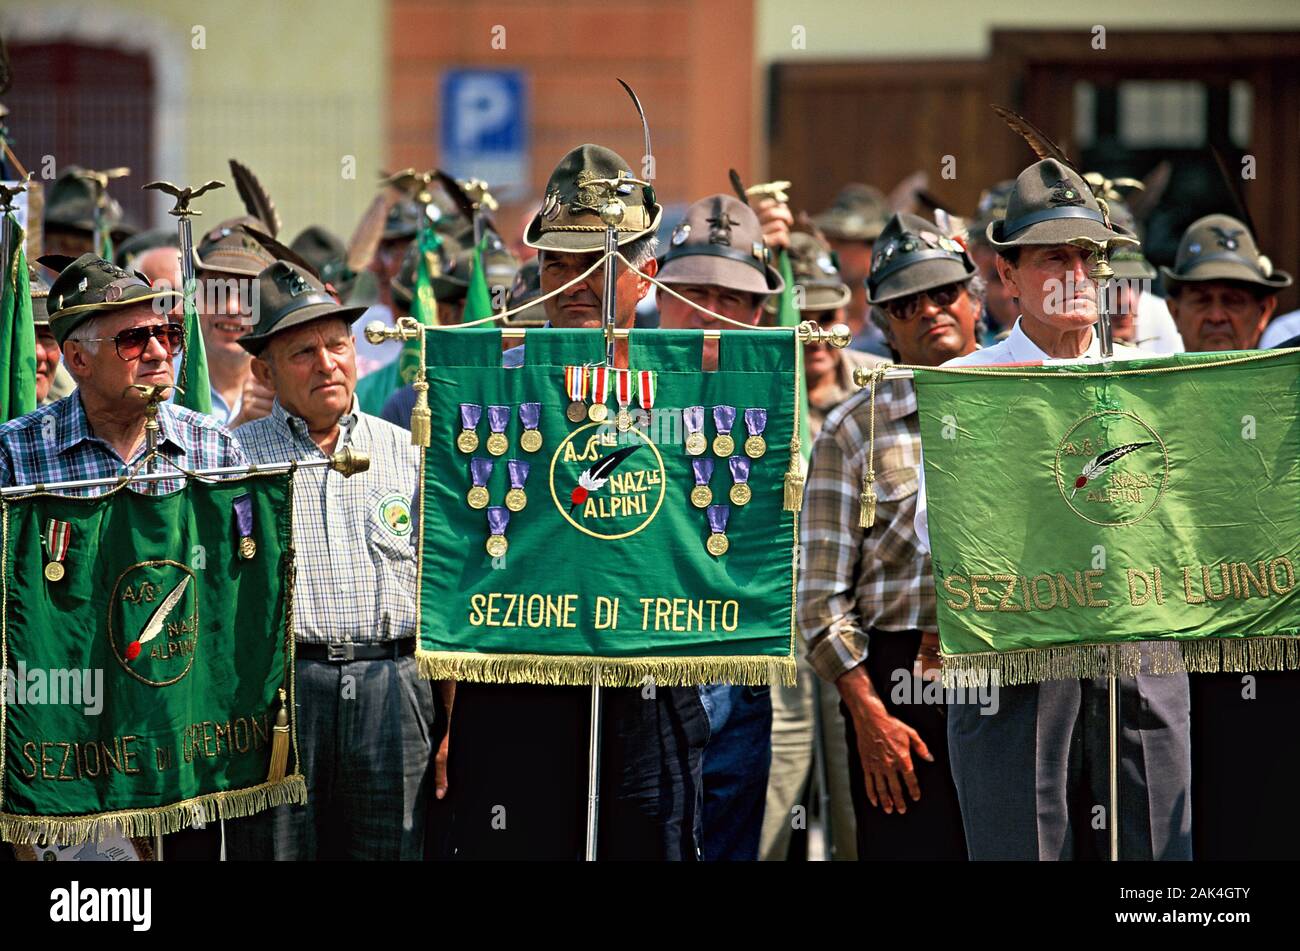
<point x="158" y="820"/>
<point x="573" y="671"/>
<point x="1086" y="661"/>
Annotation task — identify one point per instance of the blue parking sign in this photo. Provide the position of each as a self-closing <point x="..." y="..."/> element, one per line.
<point x="485" y="126"/>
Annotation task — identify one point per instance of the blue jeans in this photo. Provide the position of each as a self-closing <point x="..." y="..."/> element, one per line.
<point x="736" y="763"/>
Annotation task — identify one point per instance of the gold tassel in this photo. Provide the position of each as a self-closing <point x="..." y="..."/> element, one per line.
<point x="279" y="743"/>
<point x="794" y="479"/>
<point x="867" y="502"/>
<point x="421" y="416"/>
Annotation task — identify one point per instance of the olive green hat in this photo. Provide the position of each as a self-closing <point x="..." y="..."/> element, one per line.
<point x="815" y="273"/>
<point x="40" y="292"/>
<point x="1052" y="204"/>
<point x="913" y="255"/>
<point x="90" y="286"/>
<point x="1221" y="248"/>
<point x="1127" y="260"/>
<point x="449" y="269"/>
<point x="229" y="249"/>
<point x="719" y="242"/>
<point x="289" y="296"/>
<point x="859" y="213"/>
<point x="70" y="206"/>
<point x="569" y="219"/>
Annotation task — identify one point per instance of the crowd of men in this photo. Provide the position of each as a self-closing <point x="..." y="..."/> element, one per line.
<point x="409" y="769"/>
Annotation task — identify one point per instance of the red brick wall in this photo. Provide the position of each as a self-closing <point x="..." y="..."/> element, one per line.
<point x="691" y="64"/>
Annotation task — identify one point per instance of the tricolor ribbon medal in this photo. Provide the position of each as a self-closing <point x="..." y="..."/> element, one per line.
<point x="243" y="509"/>
<point x="498" y="420"/>
<point x="498" y="518"/>
<point x="740" y="490"/>
<point x="724" y="417"/>
<point x="645" y="395"/>
<point x="702" y="495"/>
<point x="575" y="386"/>
<point x="598" y="412"/>
<point x="693" y="420"/>
<point x="717" y="543"/>
<point x="623" y="393"/>
<point x="530" y="416"/>
<point x="480" y="470"/>
<point x="470" y="413"/>
<point x="518" y="470"/>
<point x="755" y="423"/>
<point x="58" y="536"/>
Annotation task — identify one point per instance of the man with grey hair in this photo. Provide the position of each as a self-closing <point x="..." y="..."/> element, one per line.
<point x="523" y="748"/>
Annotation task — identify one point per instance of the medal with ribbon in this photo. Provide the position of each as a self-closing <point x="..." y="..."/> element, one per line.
<point x="518" y="471"/>
<point x="717" y="543"/>
<point x="575" y="385"/>
<point x="645" y="395"/>
<point x="740" y="490"/>
<point x="623" y="393"/>
<point x="470" y="413"/>
<point x="498" y="420"/>
<point x="598" y="412"/>
<point x="480" y="470"/>
<point x="693" y="420"/>
<point x="530" y="415"/>
<point x="58" y="536"/>
<point x="755" y="423"/>
<point x="244" y="526"/>
<point x="702" y="495"/>
<point x="724" y="417"/>
<point x="498" y="518"/>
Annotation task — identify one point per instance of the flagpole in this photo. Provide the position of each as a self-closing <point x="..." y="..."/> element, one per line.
<point x="593" y="765"/>
<point x="346" y="461"/>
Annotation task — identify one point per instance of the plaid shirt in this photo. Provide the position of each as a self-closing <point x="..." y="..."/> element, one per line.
<point x="355" y="579"/>
<point x="55" y="444"/>
<point x="856" y="579"/>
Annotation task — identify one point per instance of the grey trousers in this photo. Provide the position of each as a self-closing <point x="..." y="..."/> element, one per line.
<point x="1033" y="778"/>
<point x="366" y="740"/>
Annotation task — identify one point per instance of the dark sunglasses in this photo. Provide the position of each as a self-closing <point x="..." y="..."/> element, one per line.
<point x="133" y="342"/>
<point x="905" y="308"/>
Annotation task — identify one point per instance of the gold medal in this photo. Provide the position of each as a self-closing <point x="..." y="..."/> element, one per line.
<point x="598" y="412"/>
<point x="496" y="545"/>
<point x="755" y="446"/>
<point x="247" y="548"/>
<point x="740" y="493"/>
<point x="516" y="500"/>
<point x="577" y="411"/>
<point x="467" y="441"/>
<point x="53" y="571"/>
<point x="530" y="440"/>
<point x="696" y="444"/>
<point x="723" y="445"/>
<point x="701" y="496"/>
<point x="477" y="497"/>
<point x="623" y="421"/>
<point x="497" y="444"/>
<point x="717" y="544"/>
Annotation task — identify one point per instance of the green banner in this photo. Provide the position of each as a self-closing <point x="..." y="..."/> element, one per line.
<point x="608" y="560"/>
<point x="146" y="640"/>
<point x="1155" y="500"/>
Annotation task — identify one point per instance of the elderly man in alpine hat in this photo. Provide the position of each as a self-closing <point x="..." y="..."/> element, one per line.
<point x="1027" y="773"/>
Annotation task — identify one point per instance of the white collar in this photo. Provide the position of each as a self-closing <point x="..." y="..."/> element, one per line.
<point x="1023" y="350"/>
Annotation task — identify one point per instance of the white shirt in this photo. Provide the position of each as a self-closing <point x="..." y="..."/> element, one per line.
<point x="1156" y="331"/>
<point x="1016" y="348"/>
<point x="1280" y="329"/>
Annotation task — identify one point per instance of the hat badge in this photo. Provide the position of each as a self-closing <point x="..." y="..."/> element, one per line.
<point x="720" y="226"/>
<point x="1194" y="248"/>
<point x="83" y="284"/>
<point x="551" y="206"/>
<point x="296" y="284"/>
<point x="1226" y="238"/>
<point x="113" y="292"/>
<point x="681" y="233"/>
<point x="1063" y="193"/>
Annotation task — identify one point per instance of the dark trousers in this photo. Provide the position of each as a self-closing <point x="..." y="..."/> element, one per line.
<point x="737" y="761"/>
<point x="931" y="828"/>
<point x="517" y="772"/>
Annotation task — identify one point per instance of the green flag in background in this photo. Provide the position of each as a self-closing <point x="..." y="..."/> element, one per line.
<point x="145" y="674"/>
<point x="197" y="388"/>
<point x="106" y="246"/>
<point x="478" y="301"/>
<point x="1157" y="500"/>
<point x="17" y="332"/>
<point x="423" y="306"/>
<point x="787" y="315"/>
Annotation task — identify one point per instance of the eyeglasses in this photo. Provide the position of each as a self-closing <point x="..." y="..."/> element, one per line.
<point x="133" y="342"/>
<point x="905" y="308"/>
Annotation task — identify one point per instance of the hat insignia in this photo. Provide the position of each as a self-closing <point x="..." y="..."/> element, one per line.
<point x="551" y="206"/>
<point x="681" y="233"/>
<point x="1194" y="248"/>
<point x="83" y="284"/>
<point x="296" y="284"/>
<point x="1063" y="193"/>
<point x="720" y="226"/>
<point x="1227" y="237"/>
<point x="591" y="192"/>
<point x="113" y="292"/>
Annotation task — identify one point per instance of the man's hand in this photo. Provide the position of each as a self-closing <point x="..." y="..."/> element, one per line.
<point x="440" y="768"/>
<point x="255" y="402"/>
<point x="777" y="220"/>
<point x="885" y="744"/>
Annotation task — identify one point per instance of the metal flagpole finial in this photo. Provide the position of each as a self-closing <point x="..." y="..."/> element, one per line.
<point x="778" y="191"/>
<point x="184" y="195"/>
<point x="837" y="335"/>
<point x="8" y="194"/>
